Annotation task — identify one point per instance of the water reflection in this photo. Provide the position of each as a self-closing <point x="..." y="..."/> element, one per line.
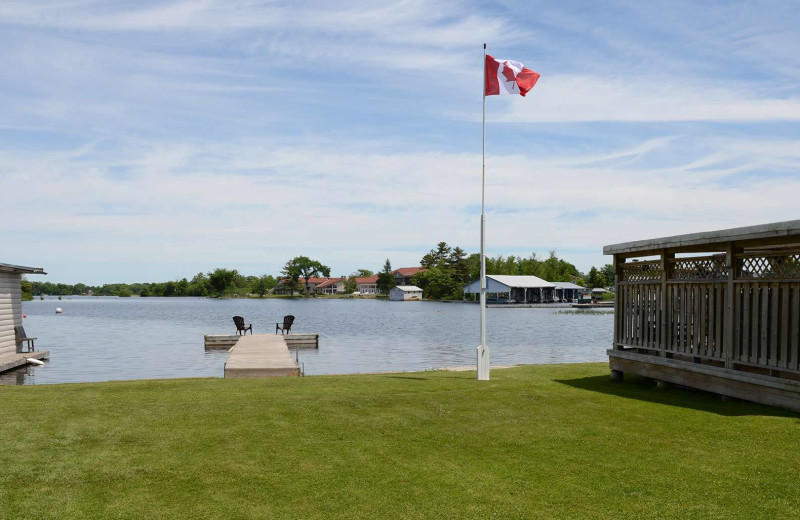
<point x="16" y="376"/>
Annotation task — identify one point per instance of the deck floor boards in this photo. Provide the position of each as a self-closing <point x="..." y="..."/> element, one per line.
<point x="260" y="355"/>
<point x="11" y="361"/>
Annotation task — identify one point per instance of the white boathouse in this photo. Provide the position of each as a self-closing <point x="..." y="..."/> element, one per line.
<point x="405" y="292"/>
<point x="11" y="315"/>
<point x="514" y="289"/>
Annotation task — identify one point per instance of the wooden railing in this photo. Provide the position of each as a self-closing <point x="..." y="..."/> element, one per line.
<point x="681" y="308"/>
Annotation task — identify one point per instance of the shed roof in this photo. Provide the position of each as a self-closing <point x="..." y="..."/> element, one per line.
<point x="407" y="288"/>
<point x="11" y="268"/>
<point x="567" y="285"/>
<point x="697" y="240"/>
<point x="526" y="282"/>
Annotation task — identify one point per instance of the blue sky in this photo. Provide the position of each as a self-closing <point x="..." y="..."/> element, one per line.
<point x="145" y="141"/>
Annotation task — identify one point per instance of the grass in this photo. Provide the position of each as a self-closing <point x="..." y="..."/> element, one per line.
<point x="551" y="441"/>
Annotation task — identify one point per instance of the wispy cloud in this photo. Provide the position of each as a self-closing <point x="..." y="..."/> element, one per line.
<point x="202" y="196"/>
<point x="204" y="133"/>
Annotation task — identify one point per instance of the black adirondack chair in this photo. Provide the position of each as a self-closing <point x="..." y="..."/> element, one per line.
<point x="286" y="326"/>
<point x="22" y="338"/>
<point x="240" y="328"/>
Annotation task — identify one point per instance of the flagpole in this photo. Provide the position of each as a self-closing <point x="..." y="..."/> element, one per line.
<point x="483" y="350"/>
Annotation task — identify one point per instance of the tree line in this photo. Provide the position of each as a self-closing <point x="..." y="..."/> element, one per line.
<point x="448" y="269"/>
<point x="217" y="283"/>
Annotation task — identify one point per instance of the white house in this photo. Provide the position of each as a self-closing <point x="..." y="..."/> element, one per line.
<point x="331" y="286"/>
<point x="367" y="284"/>
<point x="11" y="305"/>
<point x="405" y="292"/>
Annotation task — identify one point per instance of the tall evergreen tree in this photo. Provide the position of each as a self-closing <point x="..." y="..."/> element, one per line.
<point x="385" y="278"/>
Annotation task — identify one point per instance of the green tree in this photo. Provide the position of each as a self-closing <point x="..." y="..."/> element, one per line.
<point x="199" y="286"/>
<point x="437" y="256"/>
<point x="182" y="287"/>
<point x="263" y="284"/>
<point x="385" y="278"/>
<point x="438" y="283"/>
<point x="305" y="267"/>
<point x="594" y="279"/>
<point x="363" y="273"/>
<point x="350" y="285"/>
<point x="458" y="264"/>
<point x="27" y="290"/>
<point x="607" y="272"/>
<point x="124" y="292"/>
<point x="220" y="280"/>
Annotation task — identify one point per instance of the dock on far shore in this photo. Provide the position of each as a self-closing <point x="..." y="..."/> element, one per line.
<point x="261" y="355"/>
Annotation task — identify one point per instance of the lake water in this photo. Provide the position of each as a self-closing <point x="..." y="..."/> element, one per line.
<point x="106" y="338"/>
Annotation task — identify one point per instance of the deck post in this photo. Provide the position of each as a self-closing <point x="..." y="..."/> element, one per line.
<point x="666" y="316"/>
<point x="730" y="263"/>
<point x="619" y="261"/>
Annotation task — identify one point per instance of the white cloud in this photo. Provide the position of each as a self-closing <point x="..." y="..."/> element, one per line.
<point x="245" y="202"/>
<point x="572" y="98"/>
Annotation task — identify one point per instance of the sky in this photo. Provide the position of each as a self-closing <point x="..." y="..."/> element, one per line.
<point x="149" y="141"/>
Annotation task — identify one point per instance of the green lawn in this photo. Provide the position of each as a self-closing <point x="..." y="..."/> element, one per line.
<point x="552" y="441"/>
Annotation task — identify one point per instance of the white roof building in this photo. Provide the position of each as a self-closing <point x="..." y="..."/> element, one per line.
<point x="501" y="283"/>
<point x="405" y="292"/>
<point x="11" y="305"/>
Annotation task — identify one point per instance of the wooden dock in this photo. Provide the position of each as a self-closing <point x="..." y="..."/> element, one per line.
<point x="11" y="361"/>
<point x="293" y="341"/>
<point x="260" y="355"/>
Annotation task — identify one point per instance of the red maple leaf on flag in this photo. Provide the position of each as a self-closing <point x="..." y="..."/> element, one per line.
<point x="508" y="72"/>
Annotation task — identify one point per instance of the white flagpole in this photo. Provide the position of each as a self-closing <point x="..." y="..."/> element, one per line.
<point x="483" y="350"/>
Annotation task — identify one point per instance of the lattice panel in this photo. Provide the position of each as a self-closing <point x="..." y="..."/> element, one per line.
<point x="712" y="268"/>
<point x="642" y="272"/>
<point x="785" y="266"/>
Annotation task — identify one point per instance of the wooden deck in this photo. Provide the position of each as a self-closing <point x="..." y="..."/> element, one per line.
<point x="260" y="355"/>
<point x="11" y="361"/>
<point x="719" y="311"/>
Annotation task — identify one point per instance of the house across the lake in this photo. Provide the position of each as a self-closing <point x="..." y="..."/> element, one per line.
<point x="331" y="286"/>
<point x="405" y="275"/>
<point x="367" y="284"/>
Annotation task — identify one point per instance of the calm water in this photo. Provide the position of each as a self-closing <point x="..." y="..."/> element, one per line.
<point x="101" y="339"/>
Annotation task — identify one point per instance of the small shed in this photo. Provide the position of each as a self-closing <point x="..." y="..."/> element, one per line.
<point x="405" y="292"/>
<point x="514" y="289"/>
<point x="719" y="311"/>
<point x="11" y="307"/>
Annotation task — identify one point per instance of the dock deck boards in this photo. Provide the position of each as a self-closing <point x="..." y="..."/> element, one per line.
<point x="260" y="355"/>
<point x="11" y="361"/>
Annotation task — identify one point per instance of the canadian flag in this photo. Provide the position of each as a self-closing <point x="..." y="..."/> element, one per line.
<point x="508" y="77"/>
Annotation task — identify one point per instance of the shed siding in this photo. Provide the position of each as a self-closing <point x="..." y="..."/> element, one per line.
<point x="10" y="310"/>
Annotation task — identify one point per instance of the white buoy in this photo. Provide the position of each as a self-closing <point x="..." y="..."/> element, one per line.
<point x="34" y="361"/>
<point x="58" y="310"/>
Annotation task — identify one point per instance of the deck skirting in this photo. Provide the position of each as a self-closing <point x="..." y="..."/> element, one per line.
<point x="747" y="386"/>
